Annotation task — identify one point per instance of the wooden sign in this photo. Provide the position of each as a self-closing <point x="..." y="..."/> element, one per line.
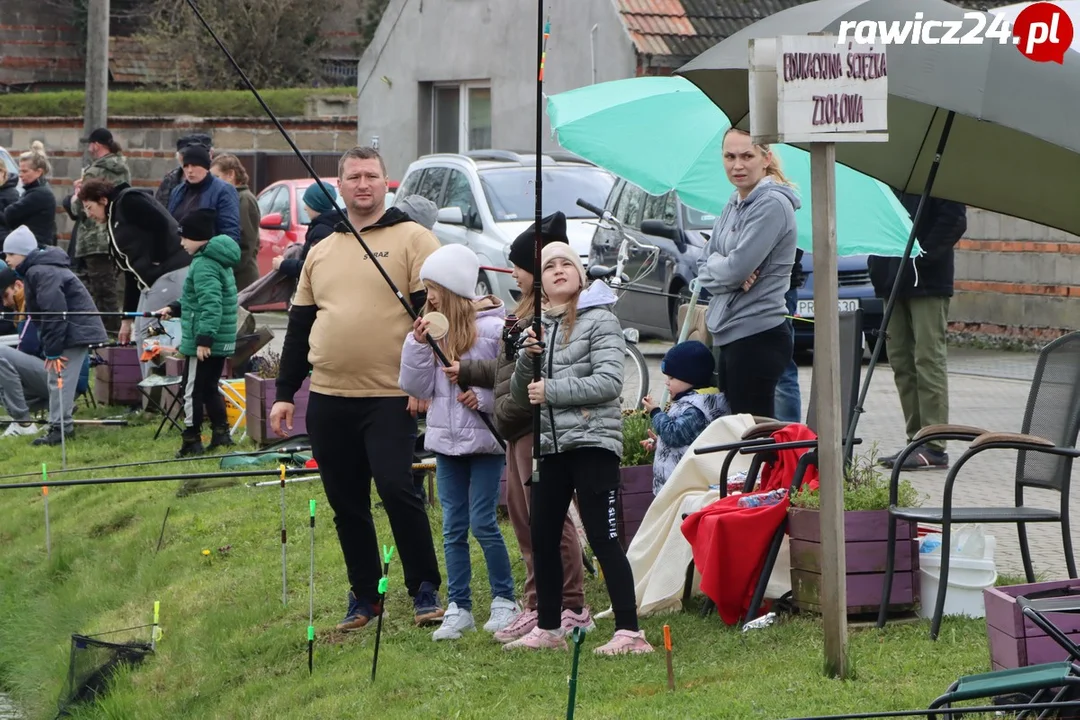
<point x="807" y="88"/>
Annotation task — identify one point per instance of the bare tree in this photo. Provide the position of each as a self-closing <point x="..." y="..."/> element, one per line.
<point x="278" y="43"/>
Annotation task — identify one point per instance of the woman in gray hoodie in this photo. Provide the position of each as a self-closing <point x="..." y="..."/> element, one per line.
<point x="746" y="267"/>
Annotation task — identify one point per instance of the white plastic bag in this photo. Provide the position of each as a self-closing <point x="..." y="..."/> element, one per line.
<point x="969" y="541"/>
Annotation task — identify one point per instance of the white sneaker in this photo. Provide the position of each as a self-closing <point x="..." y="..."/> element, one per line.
<point x="503" y="612"/>
<point x="454" y="623"/>
<point x="16" y="429"/>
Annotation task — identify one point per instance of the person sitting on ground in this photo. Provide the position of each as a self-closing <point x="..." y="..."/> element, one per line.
<point x="201" y="190"/>
<point x="23" y="381"/>
<point x="687" y="367"/>
<point x="207" y="310"/>
<point x="51" y="287"/>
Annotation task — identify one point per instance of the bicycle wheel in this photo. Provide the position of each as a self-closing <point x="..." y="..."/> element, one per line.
<point x="635" y="378"/>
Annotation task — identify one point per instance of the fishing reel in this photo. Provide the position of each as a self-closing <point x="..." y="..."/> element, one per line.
<point x="514" y="337"/>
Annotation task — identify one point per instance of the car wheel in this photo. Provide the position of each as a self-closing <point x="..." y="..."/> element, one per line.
<point x="483" y="286"/>
<point x="678" y="288"/>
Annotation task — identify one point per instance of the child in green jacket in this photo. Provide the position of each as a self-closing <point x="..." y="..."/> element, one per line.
<point x="207" y="312"/>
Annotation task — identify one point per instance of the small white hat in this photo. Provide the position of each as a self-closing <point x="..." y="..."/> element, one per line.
<point x="455" y="267"/>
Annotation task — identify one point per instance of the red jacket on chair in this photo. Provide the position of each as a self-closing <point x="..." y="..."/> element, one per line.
<point x="730" y="543"/>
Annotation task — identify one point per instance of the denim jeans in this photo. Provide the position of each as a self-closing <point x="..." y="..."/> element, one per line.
<point x="469" y="495"/>
<point x="788" y="398"/>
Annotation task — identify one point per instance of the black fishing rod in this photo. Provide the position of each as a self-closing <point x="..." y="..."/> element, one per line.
<point x="538" y="250"/>
<point x="156" y="478"/>
<point x="64" y="314"/>
<point x="95" y="468"/>
<point x="405" y="303"/>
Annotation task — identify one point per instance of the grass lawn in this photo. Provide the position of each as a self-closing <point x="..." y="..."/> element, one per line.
<point x="231" y="650"/>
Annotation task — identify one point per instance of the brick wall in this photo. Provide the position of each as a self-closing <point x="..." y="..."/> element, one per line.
<point x="1015" y="278"/>
<point x="150" y="144"/>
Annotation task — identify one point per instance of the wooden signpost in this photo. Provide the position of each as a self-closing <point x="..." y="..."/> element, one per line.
<point x="807" y="89"/>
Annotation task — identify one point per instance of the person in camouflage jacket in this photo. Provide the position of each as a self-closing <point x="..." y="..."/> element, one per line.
<point x="97" y="270"/>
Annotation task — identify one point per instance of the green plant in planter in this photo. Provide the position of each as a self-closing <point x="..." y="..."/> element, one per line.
<point x="865" y="488"/>
<point x="635" y="428"/>
<point x="268" y="365"/>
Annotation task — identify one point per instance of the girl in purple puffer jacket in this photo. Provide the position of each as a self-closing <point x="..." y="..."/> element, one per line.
<point x="469" y="460"/>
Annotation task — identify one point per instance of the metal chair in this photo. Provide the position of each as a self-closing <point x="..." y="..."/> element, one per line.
<point x="1046" y="449"/>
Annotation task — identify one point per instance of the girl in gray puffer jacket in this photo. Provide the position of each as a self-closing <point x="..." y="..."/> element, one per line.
<point x="581" y="444"/>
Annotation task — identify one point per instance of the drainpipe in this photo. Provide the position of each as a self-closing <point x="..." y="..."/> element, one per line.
<point x="592" y="50"/>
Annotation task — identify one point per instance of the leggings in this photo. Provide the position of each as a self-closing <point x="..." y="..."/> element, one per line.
<point x="594" y="474"/>
<point x="750" y="367"/>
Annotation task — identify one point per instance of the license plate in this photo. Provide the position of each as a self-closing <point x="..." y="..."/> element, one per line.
<point x="805" y="308"/>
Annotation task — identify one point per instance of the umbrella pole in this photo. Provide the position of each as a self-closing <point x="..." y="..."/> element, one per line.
<point x="891" y="302"/>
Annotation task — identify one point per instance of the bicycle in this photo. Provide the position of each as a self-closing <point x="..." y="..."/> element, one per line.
<point x="635" y="370"/>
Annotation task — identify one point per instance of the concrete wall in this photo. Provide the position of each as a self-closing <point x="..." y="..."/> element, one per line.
<point x="1014" y="277"/>
<point x="458" y="40"/>
<point x="150" y="144"/>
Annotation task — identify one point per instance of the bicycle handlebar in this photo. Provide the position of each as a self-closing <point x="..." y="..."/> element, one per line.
<point x="609" y="218"/>
<point x="598" y="212"/>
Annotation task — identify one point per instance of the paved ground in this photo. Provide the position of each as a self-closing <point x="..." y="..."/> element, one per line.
<point x="987" y="389"/>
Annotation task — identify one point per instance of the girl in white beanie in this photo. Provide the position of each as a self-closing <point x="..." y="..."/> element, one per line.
<point x="581" y="445"/>
<point x="469" y="460"/>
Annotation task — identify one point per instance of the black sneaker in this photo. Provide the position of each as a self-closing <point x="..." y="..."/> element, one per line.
<point x="922" y="459"/>
<point x="220" y="438"/>
<point x="426" y="605"/>
<point x="359" y="614"/>
<point x="192" y="445"/>
<point x="53" y="437"/>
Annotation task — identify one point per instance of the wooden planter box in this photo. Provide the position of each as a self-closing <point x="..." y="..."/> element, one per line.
<point x="116" y="383"/>
<point x="175" y="366"/>
<point x="866" y="538"/>
<point x="635" y="496"/>
<point x="260" y="394"/>
<point x="1017" y="642"/>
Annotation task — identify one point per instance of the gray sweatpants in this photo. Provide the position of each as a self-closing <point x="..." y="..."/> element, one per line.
<point x="23" y="385"/>
<point x="76" y="356"/>
<point x="167" y="289"/>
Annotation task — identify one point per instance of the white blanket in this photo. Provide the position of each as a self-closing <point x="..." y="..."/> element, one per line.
<point x="659" y="554"/>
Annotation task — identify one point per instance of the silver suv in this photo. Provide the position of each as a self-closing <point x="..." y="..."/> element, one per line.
<point x="486" y="199"/>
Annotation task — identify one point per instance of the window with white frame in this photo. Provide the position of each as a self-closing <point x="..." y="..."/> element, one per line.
<point x="460" y="117"/>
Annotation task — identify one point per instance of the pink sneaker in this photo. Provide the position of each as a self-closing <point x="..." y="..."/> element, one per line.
<point x="624" y="642"/>
<point x="571" y="620"/>
<point x="520" y="626"/>
<point x="540" y="639"/>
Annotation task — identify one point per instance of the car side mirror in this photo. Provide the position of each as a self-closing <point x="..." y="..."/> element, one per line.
<point x="450" y="216"/>
<point x="272" y="221"/>
<point x="659" y="228"/>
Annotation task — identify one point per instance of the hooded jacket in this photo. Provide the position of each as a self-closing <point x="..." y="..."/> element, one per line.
<point x="94" y="236"/>
<point x="757" y="233"/>
<point x="50" y="286"/>
<point x="207" y="307"/>
<point x="452" y="428"/>
<point x="345" y="324"/>
<point x="583" y="377"/>
<point x="36" y="209"/>
<point x="321" y="227"/>
<point x="144" y="241"/>
<point x="688" y="416"/>
<point x="931" y="274"/>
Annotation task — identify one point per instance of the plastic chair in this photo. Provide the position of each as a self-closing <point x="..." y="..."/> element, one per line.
<point x="1046" y="448"/>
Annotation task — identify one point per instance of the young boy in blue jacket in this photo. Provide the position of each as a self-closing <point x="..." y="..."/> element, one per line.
<point x="687" y="366"/>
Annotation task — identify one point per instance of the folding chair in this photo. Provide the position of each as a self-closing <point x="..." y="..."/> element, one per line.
<point x="758" y="441"/>
<point x="1046" y="683"/>
<point x="170" y="385"/>
<point x="1045" y="449"/>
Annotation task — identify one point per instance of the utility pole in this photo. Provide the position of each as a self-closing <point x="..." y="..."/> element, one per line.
<point x="96" y="111"/>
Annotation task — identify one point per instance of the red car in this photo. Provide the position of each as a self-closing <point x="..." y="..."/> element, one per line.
<point x="284" y="218"/>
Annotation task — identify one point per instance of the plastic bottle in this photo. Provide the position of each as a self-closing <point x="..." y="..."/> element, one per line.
<point x="773" y="497"/>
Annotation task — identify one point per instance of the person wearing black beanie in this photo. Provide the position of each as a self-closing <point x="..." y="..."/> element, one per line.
<point x="523" y="249"/>
<point x="201" y="190"/>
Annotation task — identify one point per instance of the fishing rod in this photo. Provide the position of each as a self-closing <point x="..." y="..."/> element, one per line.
<point x="157" y="478"/>
<point x="405" y="303"/>
<point x="542" y="32"/>
<point x="64" y="314"/>
<point x="95" y="468"/>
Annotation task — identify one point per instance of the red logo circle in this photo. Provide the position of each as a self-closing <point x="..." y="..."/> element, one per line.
<point x="1043" y="32"/>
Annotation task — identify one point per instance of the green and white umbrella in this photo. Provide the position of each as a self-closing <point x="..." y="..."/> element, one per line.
<point x="663" y="134"/>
